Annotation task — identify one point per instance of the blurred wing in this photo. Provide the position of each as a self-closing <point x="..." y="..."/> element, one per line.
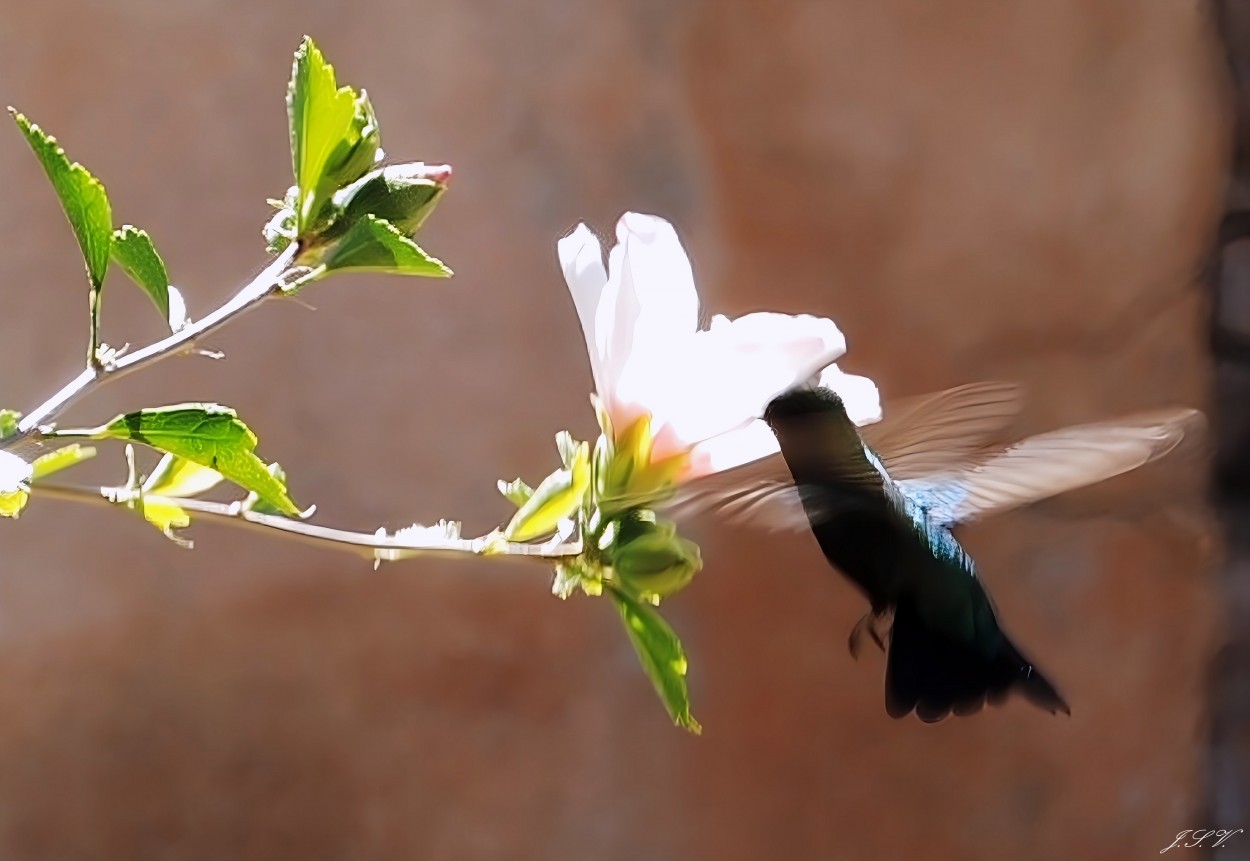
<point x="918" y="436"/>
<point x="760" y="494"/>
<point x="1051" y="463"/>
<point x="931" y="433"/>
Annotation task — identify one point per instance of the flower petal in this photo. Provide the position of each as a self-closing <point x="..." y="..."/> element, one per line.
<point x="859" y="394"/>
<point x="742" y="445"/>
<point x="656" y="269"/>
<point x="614" y="333"/>
<point x="581" y="258"/>
<point x="798" y="346"/>
<point x="703" y="391"/>
<point x="650" y="306"/>
<point x="723" y="378"/>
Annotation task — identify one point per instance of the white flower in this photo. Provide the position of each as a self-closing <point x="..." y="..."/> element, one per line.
<point x="15" y="475"/>
<point x="705" y="390"/>
<point x="14" y="472"/>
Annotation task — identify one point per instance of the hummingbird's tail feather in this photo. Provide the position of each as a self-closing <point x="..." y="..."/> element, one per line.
<point x="936" y="676"/>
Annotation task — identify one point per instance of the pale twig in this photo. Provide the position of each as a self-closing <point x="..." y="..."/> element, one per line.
<point x="264" y="285"/>
<point x="375" y="546"/>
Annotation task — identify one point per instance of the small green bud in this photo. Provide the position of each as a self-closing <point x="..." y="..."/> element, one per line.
<point x="279" y="231"/>
<point x="8" y="422"/>
<point x="651" y="558"/>
<point x="403" y="194"/>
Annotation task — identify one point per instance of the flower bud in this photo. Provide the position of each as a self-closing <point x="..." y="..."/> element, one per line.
<point x="651" y="558"/>
<point x="403" y="194"/>
<point x="279" y="231"/>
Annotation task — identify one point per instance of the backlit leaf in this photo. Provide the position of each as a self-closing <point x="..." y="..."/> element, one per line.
<point x="62" y="458"/>
<point x="660" y="653"/>
<point x="134" y="252"/>
<point x="206" y="434"/>
<point x="83" y="198"/>
<point x="334" y="133"/>
<point x="377" y="245"/>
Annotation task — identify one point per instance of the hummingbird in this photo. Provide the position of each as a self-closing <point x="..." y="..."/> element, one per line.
<point x="883" y="501"/>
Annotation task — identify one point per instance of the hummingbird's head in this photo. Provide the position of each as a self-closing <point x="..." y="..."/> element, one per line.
<point x="802" y="403"/>
<point x="812" y="428"/>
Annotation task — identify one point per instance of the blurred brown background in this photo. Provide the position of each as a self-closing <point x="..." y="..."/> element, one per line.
<point x="972" y="190"/>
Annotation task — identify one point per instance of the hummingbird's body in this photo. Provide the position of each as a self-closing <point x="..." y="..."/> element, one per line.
<point x="946" y="651"/>
<point x="883" y="501"/>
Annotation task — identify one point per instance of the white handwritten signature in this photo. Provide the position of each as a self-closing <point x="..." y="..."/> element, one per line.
<point x="1196" y="836"/>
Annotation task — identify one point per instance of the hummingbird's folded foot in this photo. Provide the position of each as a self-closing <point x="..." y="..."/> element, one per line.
<point x="871" y="624"/>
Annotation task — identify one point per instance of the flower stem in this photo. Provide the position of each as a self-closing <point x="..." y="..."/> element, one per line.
<point x="376" y="546"/>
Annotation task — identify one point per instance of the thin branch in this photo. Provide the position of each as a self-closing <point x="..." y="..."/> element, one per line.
<point x="264" y="285"/>
<point x="374" y="546"/>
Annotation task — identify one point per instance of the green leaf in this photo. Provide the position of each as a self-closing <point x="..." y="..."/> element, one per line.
<point x="567" y="447"/>
<point x="82" y="197"/>
<point x="557" y="497"/>
<point x="134" y="252"/>
<point x="334" y="133"/>
<point x="377" y="245"/>
<point x="8" y="422"/>
<point x="12" y="502"/>
<point x="62" y="458"/>
<point x="207" y="434"/>
<point x="516" y="491"/>
<point x="661" y="655"/>
<point x="255" y="503"/>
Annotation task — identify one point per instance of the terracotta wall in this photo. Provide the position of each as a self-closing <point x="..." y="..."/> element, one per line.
<point x="1229" y="281"/>
<point x="980" y="190"/>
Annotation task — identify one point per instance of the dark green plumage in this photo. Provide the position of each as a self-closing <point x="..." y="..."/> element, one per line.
<point x="947" y="652"/>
